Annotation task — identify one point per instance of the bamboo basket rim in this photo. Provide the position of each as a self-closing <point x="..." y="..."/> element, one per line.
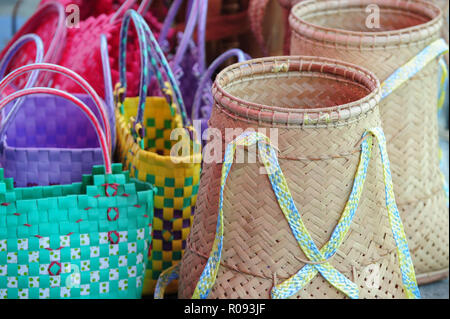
<point x="380" y="39"/>
<point x="285" y="66"/>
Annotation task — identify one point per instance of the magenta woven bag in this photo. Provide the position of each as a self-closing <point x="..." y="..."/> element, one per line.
<point x="48" y="141"/>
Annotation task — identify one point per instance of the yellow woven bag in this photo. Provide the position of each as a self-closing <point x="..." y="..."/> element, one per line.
<point x="144" y="129"/>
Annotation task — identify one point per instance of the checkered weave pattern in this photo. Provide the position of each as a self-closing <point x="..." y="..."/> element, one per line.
<point x="84" y="240"/>
<point x="145" y="125"/>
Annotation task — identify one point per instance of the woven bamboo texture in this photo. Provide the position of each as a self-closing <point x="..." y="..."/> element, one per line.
<point x="337" y="29"/>
<point x="319" y="161"/>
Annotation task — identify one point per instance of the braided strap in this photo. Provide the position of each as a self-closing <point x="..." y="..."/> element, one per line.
<point x="318" y="257"/>
<point x="411" y="68"/>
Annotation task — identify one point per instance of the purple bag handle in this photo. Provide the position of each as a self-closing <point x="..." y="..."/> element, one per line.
<point x="197" y="12"/>
<point x="33" y="77"/>
<point x="91" y="116"/>
<point x="109" y="91"/>
<point x="67" y="73"/>
<point x="206" y="78"/>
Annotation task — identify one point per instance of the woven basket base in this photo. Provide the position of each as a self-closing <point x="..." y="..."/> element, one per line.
<point x="431" y="277"/>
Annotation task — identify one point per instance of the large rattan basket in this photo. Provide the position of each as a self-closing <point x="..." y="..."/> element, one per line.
<point x="321" y="109"/>
<point x="338" y="29"/>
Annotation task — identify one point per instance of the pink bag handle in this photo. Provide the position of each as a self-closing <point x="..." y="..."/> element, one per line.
<point x="69" y="74"/>
<point x="93" y="119"/>
<point x="57" y="45"/>
<point x="128" y="4"/>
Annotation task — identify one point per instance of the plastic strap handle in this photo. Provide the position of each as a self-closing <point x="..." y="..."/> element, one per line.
<point x="257" y="10"/>
<point x="101" y="136"/>
<point x="287" y="205"/>
<point x="109" y="91"/>
<point x="168" y="22"/>
<point x="169" y="84"/>
<point x="10" y="55"/>
<point x="57" y="44"/>
<point x="121" y="11"/>
<point x="144" y="7"/>
<point x="67" y="73"/>
<point x="14" y="16"/>
<point x="413" y="66"/>
<point x="239" y="54"/>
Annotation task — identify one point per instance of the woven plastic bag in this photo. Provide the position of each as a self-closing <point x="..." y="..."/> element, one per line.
<point x="49" y="23"/>
<point x="74" y="55"/>
<point x="403" y="52"/>
<point x="145" y="125"/>
<point x="319" y="219"/>
<point x="82" y="240"/>
<point x="46" y="141"/>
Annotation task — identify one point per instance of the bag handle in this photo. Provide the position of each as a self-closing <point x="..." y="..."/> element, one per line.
<point x="93" y="119"/>
<point x="319" y="257"/>
<point x="109" y="91"/>
<point x="127" y="5"/>
<point x="4" y="63"/>
<point x="67" y="73"/>
<point x="56" y="47"/>
<point x="197" y="15"/>
<point x="150" y="52"/>
<point x="203" y="91"/>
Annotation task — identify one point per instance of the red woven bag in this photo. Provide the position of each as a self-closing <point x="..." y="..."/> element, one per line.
<point x="82" y="52"/>
<point x="49" y="24"/>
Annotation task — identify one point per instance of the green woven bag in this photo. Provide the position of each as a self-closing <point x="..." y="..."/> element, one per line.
<point x="84" y="240"/>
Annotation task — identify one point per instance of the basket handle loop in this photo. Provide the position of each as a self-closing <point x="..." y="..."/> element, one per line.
<point x="10" y="54"/>
<point x="93" y="119"/>
<point x="413" y="66"/>
<point x="165" y="278"/>
<point x="319" y="257"/>
<point x="150" y="52"/>
<point x="109" y="91"/>
<point x="69" y="74"/>
<point x="55" y="49"/>
<point x="203" y="90"/>
<point x="197" y="16"/>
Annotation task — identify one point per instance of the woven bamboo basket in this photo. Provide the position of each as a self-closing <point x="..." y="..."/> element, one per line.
<point x="337" y="29"/>
<point x="320" y="108"/>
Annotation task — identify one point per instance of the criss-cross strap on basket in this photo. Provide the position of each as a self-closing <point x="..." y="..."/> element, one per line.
<point x="75" y="241"/>
<point x="145" y="146"/>
<point x="402" y="48"/>
<point x="344" y="241"/>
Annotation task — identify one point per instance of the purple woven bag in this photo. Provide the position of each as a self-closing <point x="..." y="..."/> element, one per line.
<point x="189" y="61"/>
<point x="48" y="141"/>
<point x="203" y="100"/>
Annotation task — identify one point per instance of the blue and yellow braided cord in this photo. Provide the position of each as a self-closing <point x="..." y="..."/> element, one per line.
<point x="287" y="205"/>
